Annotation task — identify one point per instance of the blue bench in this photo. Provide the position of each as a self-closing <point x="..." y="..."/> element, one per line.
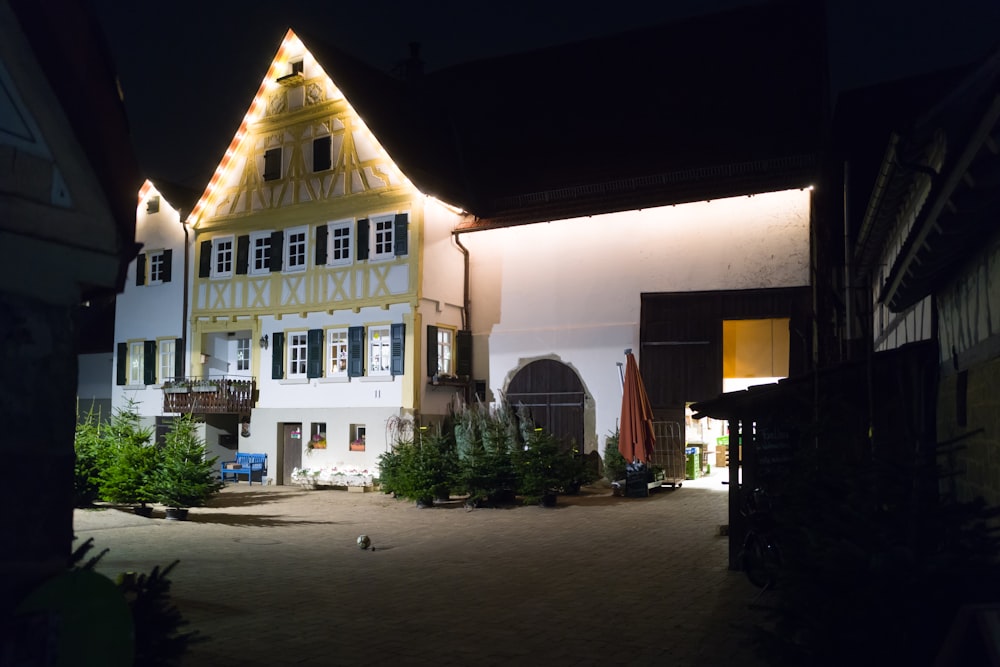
<point x="245" y="464"/>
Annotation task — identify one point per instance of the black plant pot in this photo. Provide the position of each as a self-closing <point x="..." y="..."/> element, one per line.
<point x="177" y="513"/>
<point x="548" y="499"/>
<point x="143" y="510"/>
<point x="423" y="503"/>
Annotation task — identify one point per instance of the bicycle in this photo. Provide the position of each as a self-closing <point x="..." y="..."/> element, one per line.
<point x="760" y="557"/>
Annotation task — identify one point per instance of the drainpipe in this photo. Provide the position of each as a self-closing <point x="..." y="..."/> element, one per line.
<point x="184" y="302"/>
<point x="466" y="319"/>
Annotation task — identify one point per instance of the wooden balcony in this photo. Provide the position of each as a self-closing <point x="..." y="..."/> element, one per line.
<point x="216" y="395"/>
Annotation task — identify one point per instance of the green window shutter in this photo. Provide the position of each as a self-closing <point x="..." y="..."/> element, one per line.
<point x="314" y="353"/>
<point x="242" y="255"/>
<point x="140" y="269"/>
<point x="463" y="353"/>
<point x="121" y="367"/>
<point x="277" y="251"/>
<point x="149" y="362"/>
<point x="362" y="239"/>
<point x="355" y="351"/>
<point x="400" y="238"/>
<point x="432" y="350"/>
<point x="179" y="358"/>
<point x="321" y="232"/>
<point x="168" y="261"/>
<point x="277" y="355"/>
<point x="205" y="261"/>
<point x="397" y="347"/>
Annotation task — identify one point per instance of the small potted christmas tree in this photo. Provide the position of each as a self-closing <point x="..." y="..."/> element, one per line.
<point x="185" y="478"/>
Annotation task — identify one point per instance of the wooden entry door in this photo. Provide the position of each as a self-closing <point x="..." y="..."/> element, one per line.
<point x="553" y="395"/>
<point x="291" y="450"/>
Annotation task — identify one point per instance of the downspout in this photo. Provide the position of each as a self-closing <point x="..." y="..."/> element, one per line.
<point x="184" y="299"/>
<point x="466" y="319"/>
<point x="848" y="251"/>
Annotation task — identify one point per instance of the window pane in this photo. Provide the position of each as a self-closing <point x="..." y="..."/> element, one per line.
<point x="224" y="257"/>
<point x="296" y="249"/>
<point x="297" y="345"/>
<point x="166" y="360"/>
<point x="445" y="337"/>
<point x="243" y="354"/>
<point x="337" y="351"/>
<point x="261" y="254"/>
<point x="379" y="350"/>
<point x="382" y="238"/>
<point x="135" y="356"/>
<point x="340" y="243"/>
<point x="156" y="267"/>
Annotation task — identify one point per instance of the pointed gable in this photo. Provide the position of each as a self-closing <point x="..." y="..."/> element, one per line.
<point x="300" y="141"/>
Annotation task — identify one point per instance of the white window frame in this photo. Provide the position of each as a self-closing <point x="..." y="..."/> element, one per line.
<point x="382" y="230"/>
<point x="155" y="265"/>
<point x="224" y="252"/>
<point x="446" y="350"/>
<point x="166" y="354"/>
<point x="260" y="253"/>
<point x="297" y="354"/>
<point x="301" y="249"/>
<point x="243" y="351"/>
<point x="136" y="357"/>
<point x="378" y="343"/>
<point x="336" y="352"/>
<point x="337" y="232"/>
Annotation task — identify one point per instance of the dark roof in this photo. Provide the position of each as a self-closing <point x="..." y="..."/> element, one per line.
<point x="718" y="105"/>
<point x="958" y="110"/>
<point x="70" y="47"/>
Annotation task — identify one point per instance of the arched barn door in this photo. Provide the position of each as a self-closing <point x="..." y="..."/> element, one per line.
<point x="552" y="393"/>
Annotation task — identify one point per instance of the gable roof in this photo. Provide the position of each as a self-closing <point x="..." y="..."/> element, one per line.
<point x="713" y="106"/>
<point x="69" y="47"/>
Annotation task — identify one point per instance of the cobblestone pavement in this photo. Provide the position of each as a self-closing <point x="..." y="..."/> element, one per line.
<point x="273" y="576"/>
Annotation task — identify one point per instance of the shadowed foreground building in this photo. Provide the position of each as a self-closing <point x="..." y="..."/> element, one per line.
<point x="68" y="179"/>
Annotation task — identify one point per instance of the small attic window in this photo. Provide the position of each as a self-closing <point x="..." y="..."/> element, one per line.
<point x="272" y="164"/>
<point x="297" y="67"/>
<point x="153" y="204"/>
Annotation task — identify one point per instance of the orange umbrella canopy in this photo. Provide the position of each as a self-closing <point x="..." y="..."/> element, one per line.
<point x="635" y="434"/>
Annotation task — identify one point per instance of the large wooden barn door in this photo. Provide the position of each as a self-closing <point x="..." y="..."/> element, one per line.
<point x="552" y="394"/>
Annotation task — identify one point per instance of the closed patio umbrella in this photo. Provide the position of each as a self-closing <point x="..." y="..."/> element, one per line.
<point x="635" y="434"/>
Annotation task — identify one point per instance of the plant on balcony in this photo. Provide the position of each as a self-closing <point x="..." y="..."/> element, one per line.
<point x="131" y="460"/>
<point x="177" y="386"/>
<point x="185" y="478"/>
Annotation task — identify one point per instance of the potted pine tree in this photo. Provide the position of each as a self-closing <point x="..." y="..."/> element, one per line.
<point x="130" y="461"/>
<point x="185" y="477"/>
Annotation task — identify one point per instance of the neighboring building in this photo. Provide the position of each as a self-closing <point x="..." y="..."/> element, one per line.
<point x="68" y="178"/>
<point x="370" y="247"/>
<point x="927" y="250"/>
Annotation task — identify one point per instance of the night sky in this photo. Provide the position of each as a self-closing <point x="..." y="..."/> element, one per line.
<point x="189" y="68"/>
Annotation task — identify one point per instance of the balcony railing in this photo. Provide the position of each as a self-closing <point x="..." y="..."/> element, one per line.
<point x="212" y="395"/>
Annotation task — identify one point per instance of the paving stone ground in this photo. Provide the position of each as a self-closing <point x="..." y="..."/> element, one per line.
<point x="273" y="576"/>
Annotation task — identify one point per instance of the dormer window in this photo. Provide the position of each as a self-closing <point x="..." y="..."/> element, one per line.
<point x="153" y="204"/>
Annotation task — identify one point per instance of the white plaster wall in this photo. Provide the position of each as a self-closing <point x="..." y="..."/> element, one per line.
<point x="379" y="391"/>
<point x="93" y="390"/>
<point x="571" y="289"/>
<point x="149" y="312"/>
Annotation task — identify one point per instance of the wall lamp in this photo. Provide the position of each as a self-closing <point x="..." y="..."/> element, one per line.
<point x="263" y="342"/>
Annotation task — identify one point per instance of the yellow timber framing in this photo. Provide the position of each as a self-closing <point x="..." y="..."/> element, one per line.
<point x="242" y="295"/>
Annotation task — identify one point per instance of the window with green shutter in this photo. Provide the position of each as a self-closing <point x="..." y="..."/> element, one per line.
<point x="355" y="351"/>
<point x="149" y="362"/>
<point x="314" y="353"/>
<point x="398" y="337"/>
<point x="278" y="355"/>
<point x="121" y="366"/>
